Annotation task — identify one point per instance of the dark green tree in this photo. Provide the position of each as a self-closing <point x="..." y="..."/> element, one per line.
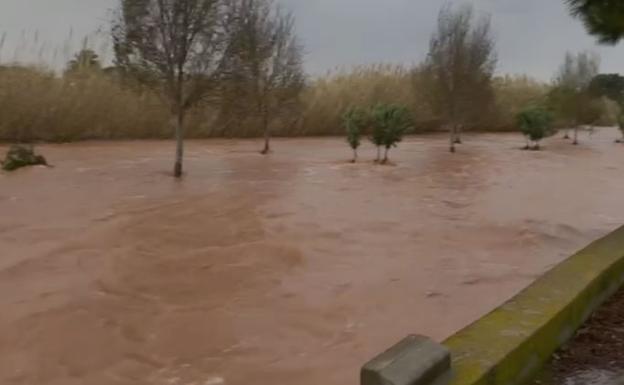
<point x="535" y="123"/>
<point x="602" y="18"/>
<point x="355" y="121"/>
<point x="391" y="122"/>
<point x="377" y="133"/>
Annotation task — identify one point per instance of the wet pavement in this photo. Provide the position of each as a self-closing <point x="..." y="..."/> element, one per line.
<point x="294" y="268"/>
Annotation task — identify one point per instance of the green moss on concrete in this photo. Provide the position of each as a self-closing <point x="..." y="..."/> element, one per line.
<point x="509" y="345"/>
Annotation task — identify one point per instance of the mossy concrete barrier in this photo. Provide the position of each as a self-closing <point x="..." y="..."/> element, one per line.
<point x="509" y="345"/>
<point x="416" y="360"/>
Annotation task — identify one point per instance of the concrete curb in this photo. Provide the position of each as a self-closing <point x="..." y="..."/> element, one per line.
<point x="416" y="360"/>
<point x="509" y="345"/>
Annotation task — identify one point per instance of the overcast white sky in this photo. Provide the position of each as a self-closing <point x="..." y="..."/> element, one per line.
<point x="532" y="34"/>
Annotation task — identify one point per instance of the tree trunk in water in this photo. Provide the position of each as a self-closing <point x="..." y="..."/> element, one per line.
<point x="528" y="143"/>
<point x="458" y="131"/>
<point x="567" y="134"/>
<point x="452" y="139"/>
<point x="575" y="136"/>
<point x="355" y="157"/>
<point x="267" y="134"/>
<point x="385" y="159"/>
<point x="179" y="135"/>
<point x="378" y="154"/>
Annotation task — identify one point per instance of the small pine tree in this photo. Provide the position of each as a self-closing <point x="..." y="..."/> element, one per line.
<point x="391" y="123"/>
<point x="535" y="123"/>
<point x="355" y="121"/>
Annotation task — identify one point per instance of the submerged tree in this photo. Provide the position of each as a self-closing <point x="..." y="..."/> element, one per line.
<point x="602" y="18"/>
<point x="265" y="67"/>
<point x="621" y="127"/>
<point x="355" y="121"/>
<point x="535" y="123"/>
<point x="570" y="96"/>
<point x="177" y="46"/>
<point x="391" y="122"/>
<point x="460" y="67"/>
<point x="22" y="155"/>
<point x="377" y="134"/>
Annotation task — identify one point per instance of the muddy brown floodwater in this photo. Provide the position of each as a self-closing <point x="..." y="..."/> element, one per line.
<point x="293" y="268"/>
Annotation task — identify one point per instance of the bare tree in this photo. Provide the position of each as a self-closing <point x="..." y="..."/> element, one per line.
<point x="460" y="67"/>
<point x="177" y="46"/>
<point x="571" y="96"/>
<point x="265" y="67"/>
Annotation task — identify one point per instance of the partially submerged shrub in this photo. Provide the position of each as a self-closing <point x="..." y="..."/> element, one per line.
<point x="20" y="156"/>
<point x="390" y="124"/>
<point x="355" y="121"/>
<point x="535" y="123"/>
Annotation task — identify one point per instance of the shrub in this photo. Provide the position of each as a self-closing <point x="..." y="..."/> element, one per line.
<point x="390" y="124"/>
<point x="535" y="123"/>
<point x="20" y="156"/>
<point x="355" y="121"/>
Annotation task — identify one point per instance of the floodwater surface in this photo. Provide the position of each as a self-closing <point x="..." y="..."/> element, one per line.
<point x="293" y="268"/>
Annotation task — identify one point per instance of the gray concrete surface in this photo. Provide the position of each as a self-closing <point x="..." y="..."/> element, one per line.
<point x="416" y="360"/>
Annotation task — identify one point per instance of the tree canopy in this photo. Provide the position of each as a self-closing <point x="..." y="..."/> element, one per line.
<point x="602" y="18"/>
<point x="608" y="85"/>
<point x="175" y="45"/>
<point x="535" y="123"/>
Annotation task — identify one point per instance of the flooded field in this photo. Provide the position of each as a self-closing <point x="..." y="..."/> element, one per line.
<point x="294" y="268"/>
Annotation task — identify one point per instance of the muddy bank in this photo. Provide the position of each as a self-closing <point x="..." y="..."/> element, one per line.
<point x="292" y="268"/>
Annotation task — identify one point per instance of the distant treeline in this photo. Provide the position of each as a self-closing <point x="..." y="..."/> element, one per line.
<point x="89" y="101"/>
